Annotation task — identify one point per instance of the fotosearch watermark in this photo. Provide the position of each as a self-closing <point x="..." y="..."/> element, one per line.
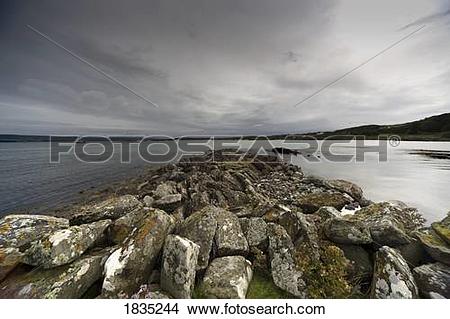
<point x="166" y="149"/>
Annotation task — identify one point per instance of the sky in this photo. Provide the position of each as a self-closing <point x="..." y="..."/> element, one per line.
<point x="219" y="67"/>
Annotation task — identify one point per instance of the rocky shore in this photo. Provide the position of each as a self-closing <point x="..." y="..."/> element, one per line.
<point x="257" y="228"/>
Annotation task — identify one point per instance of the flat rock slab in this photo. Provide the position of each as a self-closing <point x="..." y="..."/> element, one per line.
<point x="392" y="278"/>
<point x="65" y="282"/>
<point x="227" y="278"/>
<point x="169" y="203"/>
<point x="433" y="280"/>
<point x="179" y="263"/>
<point x="64" y="246"/>
<point x="130" y="265"/>
<point x="229" y="238"/>
<point x="17" y="231"/>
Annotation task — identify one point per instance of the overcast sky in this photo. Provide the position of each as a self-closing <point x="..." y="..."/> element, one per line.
<point x="220" y="66"/>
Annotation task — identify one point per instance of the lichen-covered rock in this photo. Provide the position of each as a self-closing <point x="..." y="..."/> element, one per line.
<point x="255" y="231"/>
<point x="9" y="259"/>
<point x="200" y="228"/>
<point x="229" y="238"/>
<point x="169" y="203"/>
<point x="392" y="278"/>
<point x="442" y="228"/>
<point x="311" y="202"/>
<point x="65" y="282"/>
<point x="130" y="265"/>
<point x="283" y="270"/>
<point x="285" y="217"/>
<point x="150" y="292"/>
<point x="111" y="208"/>
<point x="346" y="187"/>
<point x="17" y="231"/>
<point x="387" y="231"/>
<point x="227" y="278"/>
<point x="148" y="201"/>
<point x="327" y="212"/>
<point x="435" y="246"/>
<point x="433" y="280"/>
<point x="64" y="246"/>
<point x="165" y="189"/>
<point x="344" y="231"/>
<point x="179" y="263"/>
<point x="123" y="226"/>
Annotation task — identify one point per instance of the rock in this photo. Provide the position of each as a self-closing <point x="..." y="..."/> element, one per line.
<point x="17" y="231"/>
<point x="9" y="259"/>
<point x="433" y="280"/>
<point x="283" y="270"/>
<point x="64" y="246"/>
<point x="65" y="282"/>
<point x="346" y="187"/>
<point x="130" y="265"/>
<point x="255" y="231"/>
<point x="343" y="231"/>
<point x="229" y="238"/>
<point x="165" y="189"/>
<point x="327" y="212"/>
<point x="392" y="278"/>
<point x="387" y="231"/>
<point x="414" y="253"/>
<point x="311" y="202"/>
<point x="179" y="263"/>
<point x="435" y="246"/>
<point x="442" y="228"/>
<point x="168" y="203"/>
<point x="360" y="266"/>
<point x="285" y="217"/>
<point x="227" y="278"/>
<point x="150" y="292"/>
<point x="148" y="201"/>
<point x="112" y="208"/>
<point x="200" y="228"/>
<point x="123" y="227"/>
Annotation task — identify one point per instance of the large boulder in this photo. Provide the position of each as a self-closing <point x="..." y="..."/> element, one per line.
<point x="111" y="208"/>
<point x="433" y="280"/>
<point x="18" y="231"/>
<point x="255" y="230"/>
<point x="124" y="226"/>
<point x="392" y="278"/>
<point x="65" y="282"/>
<point x="229" y="238"/>
<point x="227" y="278"/>
<point x="64" y="246"/>
<point x="9" y="259"/>
<point x="283" y="270"/>
<point x="344" y="231"/>
<point x="179" y="264"/>
<point x="130" y="265"/>
<point x="200" y="228"/>
<point x="311" y="202"/>
<point x="435" y="246"/>
<point x="346" y="187"/>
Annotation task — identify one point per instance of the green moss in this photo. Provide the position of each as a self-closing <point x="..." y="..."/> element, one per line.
<point x="262" y="287"/>
<point x="442" y="230"/>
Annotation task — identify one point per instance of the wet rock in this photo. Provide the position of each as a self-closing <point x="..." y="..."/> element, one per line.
<point x="433" y="280"/>
<point x="112" y="208"/>
<point x="343" y="231"/>
<point x="9" y="259"/>
<point x="255" y="231"/>
<point x="65" y="282"/>
<point x="283" y="270"/>
<point x="64" y="246"/>
<point x="227" y="278"/>
<point x="392" y="277"/>
<point x="17" y="231"/>
<point x="435" y="246"/>
<point x="130" y="265"/>
<point x="179" y="263"/>
<point x="229" y="238"/>
<point x="200" y="228"/>
<point x="168" y="203"/>
<point x="442" y="228"/>
<point x="311" y="202"/>
<point x="150" y="292"/>
<point x="123" y="226"/>
<point x="346" y="187"/>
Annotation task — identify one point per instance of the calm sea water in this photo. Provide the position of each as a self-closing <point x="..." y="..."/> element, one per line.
<point x="28" y="181"/>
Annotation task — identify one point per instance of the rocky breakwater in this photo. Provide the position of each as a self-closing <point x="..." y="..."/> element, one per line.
<point x="257" y="228"/>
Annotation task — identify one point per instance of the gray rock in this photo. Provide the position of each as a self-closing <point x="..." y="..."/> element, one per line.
<point x="283" y="270"/>
<point x="229" y="238"/>
<point x="148" y="201"/>
<point x="64" y="246"/>
<point x="328" y="212"/>
<point x="433" y="279"/>
<point x="179" y="263"/>
<point x="168" y="203"/>
<point x="200" y="228"/>
<point x="361" y="265"/>
<point x="65" y="282"/>
<point x="17" y="231"/>
<point x="9" y="259"/>
<point x="130" y="265"/>
<point x="414" y="253"/>
<point x="442" y="228"/>
<point x="387" y="231"/>
<point x="344" y="231"/>
<point x="111" y="208"/>
<point x="165" y="189"/>
<point x="311" y="202"/>
<point x="256" y="231"/>
<point x="123" y="226"/>
<point x="150" y="292"/>
<point x="346" y="187"/>
<point x="435" y="246"/>
<point x="392" y="278"/>
<point x="227" y="278"/>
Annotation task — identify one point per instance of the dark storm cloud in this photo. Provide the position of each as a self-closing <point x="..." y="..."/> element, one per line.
<point x="215" y="66"/>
